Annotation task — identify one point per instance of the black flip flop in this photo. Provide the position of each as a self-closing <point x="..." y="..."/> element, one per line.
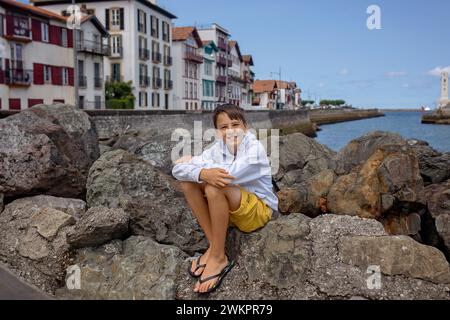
<point x="219" y="277"/>
<point x="199" y="266"/>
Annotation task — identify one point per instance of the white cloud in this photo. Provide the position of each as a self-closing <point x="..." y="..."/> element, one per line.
<point x="394" y="74"/>
<point x="438" y="70"/>
<point x="321" y="85"/>
<point x="344" y="72"/>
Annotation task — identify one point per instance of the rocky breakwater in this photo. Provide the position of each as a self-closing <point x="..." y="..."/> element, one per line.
<point x="132" y="236"/>
<point x="440" y="116"/>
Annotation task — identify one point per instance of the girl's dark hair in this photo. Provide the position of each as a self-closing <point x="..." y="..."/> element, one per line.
<point x="233" y="112"/>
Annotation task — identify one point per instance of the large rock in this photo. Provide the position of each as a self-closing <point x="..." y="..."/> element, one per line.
<point x="397" y="255"/>
<point x="33" y="232"/>
<point x="295" y="257"/>
<point x="358" y="151"/>
<point x="301" y="158"/>
<point x="156" y="207"/>
<point x="137" y="268"/>
<point x="438" y="202"/>
<point x="98" y="226"/>
<point x="386" y="183"/>
<point x="46" y="150"/>
<point x="309" y="197"/>
<point x="151" y="146"/>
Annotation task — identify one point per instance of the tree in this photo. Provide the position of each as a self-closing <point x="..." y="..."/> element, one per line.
<point x="119" y="95"/>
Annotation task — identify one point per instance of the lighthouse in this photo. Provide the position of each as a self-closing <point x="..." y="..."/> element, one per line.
<point x="444" y="102"/>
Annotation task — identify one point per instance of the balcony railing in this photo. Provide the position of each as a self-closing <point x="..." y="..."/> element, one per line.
<point x="156" y="57"/>
<point x="98" y="83"/>
<point x="116" y="52"/>
<point x="82" y="81"/>
<point x="144" y="81"/>
<point x="222" y="79"/>
<point x="19" y="77"/>
<point x="193" y="56"/>
<point x="93" y="47"/>
<point x="168" y="84"/>
<point x="157" y="82"/>
<point x="144" y="54"/>
<point x="222" y="45"/>
<point x="168" y="60"/>
<point x="114" y="78"/>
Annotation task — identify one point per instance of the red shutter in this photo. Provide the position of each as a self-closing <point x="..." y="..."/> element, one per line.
<point x="70" y="38"/>
<point x="56" y="76"/>
<point x="71" y="77"/>
<point x="55" y="35"/>
<point x="33" y="102"/>
<point x="9" y="25"/>
<point x="38" y="71"/>
<point x="2" y="77"/>
<point x="36" y="30"/>
<point x="14" y="104"/>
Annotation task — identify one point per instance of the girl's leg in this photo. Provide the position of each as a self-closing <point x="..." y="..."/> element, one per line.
<point x="194" y="195"/>
<point x="221" y="202"/>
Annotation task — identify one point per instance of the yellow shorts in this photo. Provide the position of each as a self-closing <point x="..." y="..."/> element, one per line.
<point x="252" y="215"/>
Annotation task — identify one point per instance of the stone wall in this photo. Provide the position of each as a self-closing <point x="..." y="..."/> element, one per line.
<point x="115" y="122"/>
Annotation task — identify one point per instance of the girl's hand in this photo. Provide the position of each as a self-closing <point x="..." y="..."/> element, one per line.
<point x="218" y="177"/>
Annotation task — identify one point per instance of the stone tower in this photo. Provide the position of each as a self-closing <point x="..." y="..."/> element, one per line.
<point x="444" y="101"/>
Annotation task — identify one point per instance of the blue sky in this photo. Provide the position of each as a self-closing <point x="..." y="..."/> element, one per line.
<point x="327" y="48"/>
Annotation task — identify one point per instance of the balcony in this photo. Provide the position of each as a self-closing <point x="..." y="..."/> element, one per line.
<point x="93" y="47"/>
<point x="157" y="82"/>
<point x="193" y="56"/>
<point x="98" y="83"/>
<point x="82" y="81"/>
<point x="221" y="61"/>
<point x="116" y="52"/>
<point x="114" y="78"/>
<point x="222" y="45"/>
<point x="222" y="79"/>
<point x="18" y="77"/>
<point x="17" y="28"/>
<point x="168" y="61"/>
<point x="144" y="81"/>
<point x="156" y="57"/>
<point x="168" y="84"/>
<point x="144" y="54"/>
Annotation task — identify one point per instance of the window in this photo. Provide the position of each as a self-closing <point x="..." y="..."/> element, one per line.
<point x="155" y="26"/>
<point x="81" y="102"/>
<point x="195" y="91"/>
<point x="142" y="99"/>
<point x="116" y="44"/>
<point x="64" y="37"/>
<point x="47" y="74"/>
<point x="98" y="102"/>
<point x="44" y="32"/>
<point x="187" y="105"/>
<point x="1" y="27"/>
<point x="186" y="90"/>
<point x="115" y="72"/>
<point x="208" y="68"/>
<point x="115" y="17"/>
<point x="186" y="68"/>
<point x="166" y="31"/>
<point x="142" y="17"/>
<point x="191" y="89"/>
<point x="166" y="101"/>
<point x="65" y="76"/>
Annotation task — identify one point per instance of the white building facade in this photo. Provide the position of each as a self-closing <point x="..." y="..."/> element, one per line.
<point x="36" y="57"/>
<point x="220" y="36"/>
<point x="92" y="43"/>
<point x="188" y="62"/>
<point x="140" y="41"/>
